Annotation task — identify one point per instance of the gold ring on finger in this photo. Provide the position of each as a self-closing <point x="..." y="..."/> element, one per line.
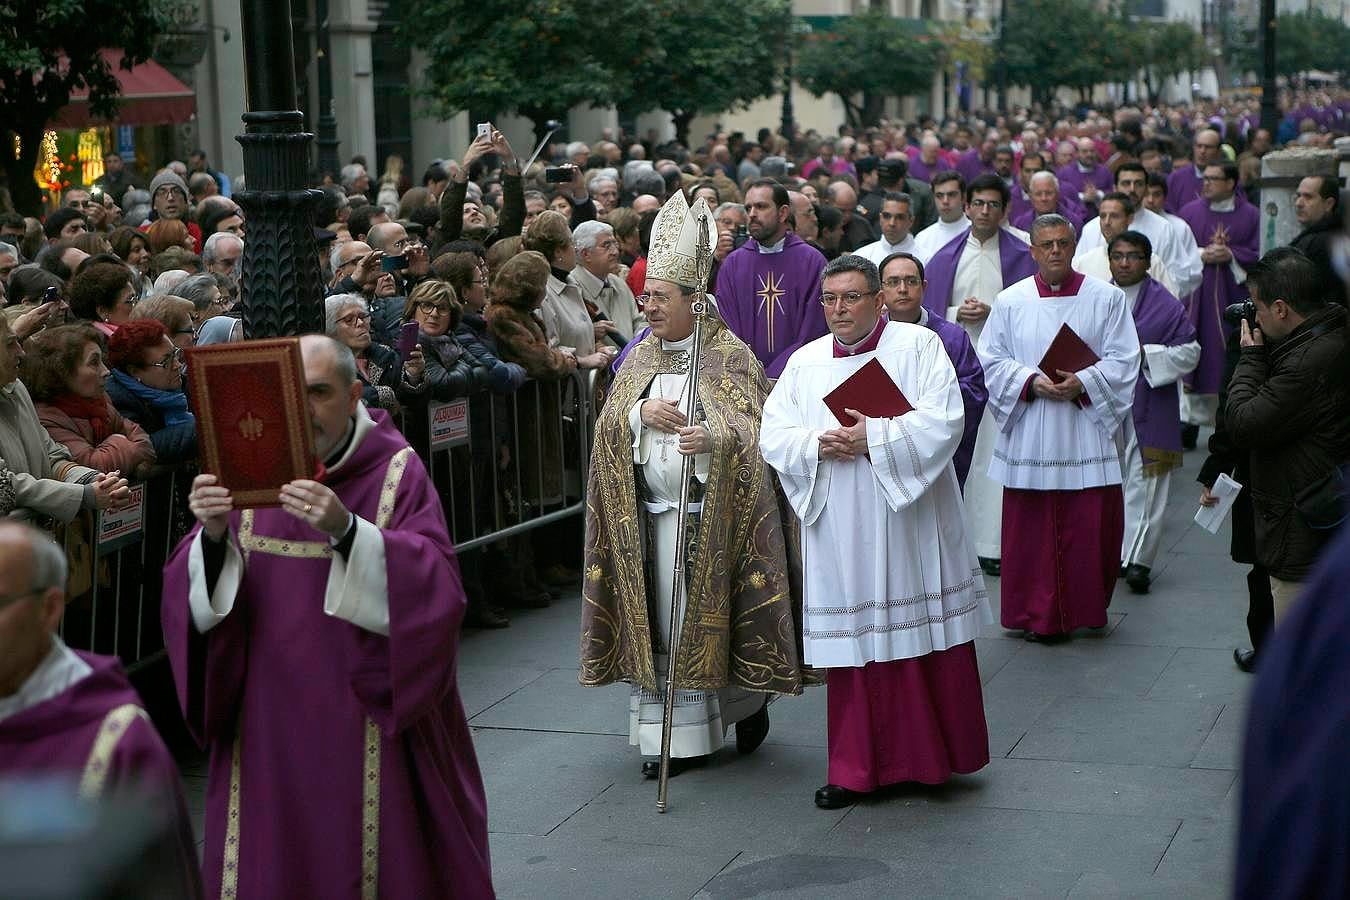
<point x="308" y="507"/>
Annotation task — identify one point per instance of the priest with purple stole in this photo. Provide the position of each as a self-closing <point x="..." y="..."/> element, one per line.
<point x="1227" y="228"/>
<point x="964" y="277"/>
<point x="72" y="715"/>
<point x="1153" y="432"/>
<point x="766" y="289"/>
<point x="902" y="287"/>
<point x="1057" y="458"/>
<point x="313" y="645"/>
<point x="894" y="597"/>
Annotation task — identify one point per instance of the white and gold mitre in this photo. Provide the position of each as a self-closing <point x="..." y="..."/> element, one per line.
<point x="672" y="254"/>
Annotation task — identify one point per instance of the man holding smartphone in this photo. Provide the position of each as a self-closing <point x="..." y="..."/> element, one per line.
<point x="406" y="263"/>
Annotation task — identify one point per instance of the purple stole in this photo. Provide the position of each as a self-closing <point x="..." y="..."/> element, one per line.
<point x="1014" y="258"/>
<point x="1159" y="318"/>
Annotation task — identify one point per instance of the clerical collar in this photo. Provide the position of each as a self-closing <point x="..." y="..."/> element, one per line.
<point x="772" y="248"/>
<point x="1223" y="205"/>
<point x="59" y="669"/>
<point x="1131" y="292"/>
<point x="866" y="345"/>
<point x="684" y="343"/>
<point x="1068" y="288"/>
<point x="1086" y="169"/>
<point x="358" y="426"/>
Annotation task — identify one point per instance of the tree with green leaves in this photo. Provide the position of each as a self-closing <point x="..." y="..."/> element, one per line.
<point x="1304" y="41"/>
<point x="1061" y="43"/>
<point x="537" y="58"/>
<point x="866" y="58"/>
<point x="707" y="56"/>
<point x="48" y="49"/>
<point x="1168" y="49"/>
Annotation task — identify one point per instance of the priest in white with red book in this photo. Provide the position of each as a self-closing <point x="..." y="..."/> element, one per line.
<point x="894" y="596"/>
<point x="1056" y="456"/>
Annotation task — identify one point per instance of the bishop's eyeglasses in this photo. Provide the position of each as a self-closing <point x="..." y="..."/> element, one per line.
<point x="844" y="301"/>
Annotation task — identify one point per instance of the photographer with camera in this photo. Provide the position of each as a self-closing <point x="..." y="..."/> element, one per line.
<point x="1288" y="406"/>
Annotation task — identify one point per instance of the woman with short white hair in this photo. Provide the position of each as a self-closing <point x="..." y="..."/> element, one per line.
<point x="387" y="382"/>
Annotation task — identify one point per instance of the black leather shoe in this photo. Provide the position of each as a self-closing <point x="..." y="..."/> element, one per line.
<point x="752" y="731"/>
<point x="1190" y="436"/>
<point x="1036" y="638"/>
<point x="1245" y="659"/>
<point x="991" y="567"/>
<point x="832" y="796"/>
<point x="651" y="768"/>
<point x="1137" y="577"/>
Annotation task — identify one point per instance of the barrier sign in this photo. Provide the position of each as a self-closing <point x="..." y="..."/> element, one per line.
<point x="119" y="526"/>
<point x="449" y="424"/>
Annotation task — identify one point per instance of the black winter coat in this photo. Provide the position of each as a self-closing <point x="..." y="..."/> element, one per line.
<point x="1289" y="406"/>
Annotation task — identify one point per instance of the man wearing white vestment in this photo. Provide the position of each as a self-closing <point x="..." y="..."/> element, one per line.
<point x="1114" y="213"/>
<point x="1180" y="255"/>
<point x="893" y="595"/>
<point x="1056" y="457"/>
<point x="949" y="195"/>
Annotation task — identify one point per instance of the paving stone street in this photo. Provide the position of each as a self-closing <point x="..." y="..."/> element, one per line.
<point x="1113" y="769"/>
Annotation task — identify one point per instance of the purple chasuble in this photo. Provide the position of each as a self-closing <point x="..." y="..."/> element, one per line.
<point x="918" y="719"/>
<point x="922" y="170"/>
<point x="341" y="760"/>
<point x="1072" y="179"/>
<point x="1218" y="288"/>
<point x="58" y="737"/>
<point x="1184" y="187"/>
<point x="1014" y="258"/>
<point x="772" y="300"/>
<point x="971" y="166"/>
<point x="1159" y="318"/>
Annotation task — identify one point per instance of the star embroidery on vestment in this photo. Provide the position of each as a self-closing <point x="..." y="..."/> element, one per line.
<point x="770" y="296"/>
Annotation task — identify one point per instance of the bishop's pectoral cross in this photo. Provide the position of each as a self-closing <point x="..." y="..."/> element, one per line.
<point x="770" y="298"/>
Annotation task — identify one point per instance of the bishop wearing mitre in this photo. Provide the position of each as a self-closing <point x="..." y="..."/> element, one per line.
<point x="737" y="638"/>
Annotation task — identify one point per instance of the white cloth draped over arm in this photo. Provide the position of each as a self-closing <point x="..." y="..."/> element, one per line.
<point x="1110" y="382"/>
<point x="358" y="586"/>
<point x="1164" y="365"/>
<point x="210" y="607"/>
<point x="792" y="449"/>
<point x="911" y="452"/>
<point x="1004" y="376"/>
<point x="1184" y="261"/>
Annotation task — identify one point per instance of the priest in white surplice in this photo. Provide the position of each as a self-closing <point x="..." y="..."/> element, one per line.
<point x="893" y="594"/>
<point x="1057" y="457"/>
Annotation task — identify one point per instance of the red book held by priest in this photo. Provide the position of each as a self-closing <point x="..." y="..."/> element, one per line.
<point x="871" y="392"/>
<point x="1067" y="352"/>
<point x="252" y="417"/>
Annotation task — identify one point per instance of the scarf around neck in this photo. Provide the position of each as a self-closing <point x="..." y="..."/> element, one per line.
<point x="97" y="412"/>
<point x="171" y="405"/>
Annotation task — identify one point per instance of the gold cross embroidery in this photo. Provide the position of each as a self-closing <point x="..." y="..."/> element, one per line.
<point x="770" y="296"/>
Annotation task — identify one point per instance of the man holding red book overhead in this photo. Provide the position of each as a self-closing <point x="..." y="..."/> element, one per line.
<point x="893" y="596"/>
<point x="1060" y="356"/>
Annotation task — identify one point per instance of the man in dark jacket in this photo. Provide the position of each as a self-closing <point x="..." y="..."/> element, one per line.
<point x="1315" y="207"/>
<point x="1288" y="405"/>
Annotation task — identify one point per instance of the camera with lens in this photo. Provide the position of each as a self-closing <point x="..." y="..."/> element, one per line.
<point x="740" y="236"/>
<point x="1237" y="312"/>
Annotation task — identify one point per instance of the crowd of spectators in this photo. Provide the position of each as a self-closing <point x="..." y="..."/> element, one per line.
<point x="510" y="276"/>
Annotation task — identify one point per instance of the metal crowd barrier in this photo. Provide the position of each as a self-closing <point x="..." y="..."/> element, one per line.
<point x="502" y="464"/>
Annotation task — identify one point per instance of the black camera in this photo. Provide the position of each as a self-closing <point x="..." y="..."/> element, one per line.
<point x="1237" y="312"/>
<point x="740" y="236"/>
<point x="559" y="174"/>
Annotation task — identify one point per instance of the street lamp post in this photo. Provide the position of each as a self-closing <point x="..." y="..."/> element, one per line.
<point x="280" y="282"/>
<point x="1270" y="111"/>
<point x="328" y="139"/>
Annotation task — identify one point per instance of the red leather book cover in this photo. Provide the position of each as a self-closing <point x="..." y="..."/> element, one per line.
<point x="252" y="417"/>
<point x="1067" y="352"/>
<point x="871" y="392"/>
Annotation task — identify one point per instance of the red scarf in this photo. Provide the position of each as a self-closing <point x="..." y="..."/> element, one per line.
<point x="97" y="413"/>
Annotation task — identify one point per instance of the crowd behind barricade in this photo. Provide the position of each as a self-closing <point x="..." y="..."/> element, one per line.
<point x="514" y="277"/>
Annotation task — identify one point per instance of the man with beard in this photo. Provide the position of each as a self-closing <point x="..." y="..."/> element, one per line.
<point x="766" y="289"/>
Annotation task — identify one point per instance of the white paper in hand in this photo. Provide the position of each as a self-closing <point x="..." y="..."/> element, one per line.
<point x="1211" y="518"/>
